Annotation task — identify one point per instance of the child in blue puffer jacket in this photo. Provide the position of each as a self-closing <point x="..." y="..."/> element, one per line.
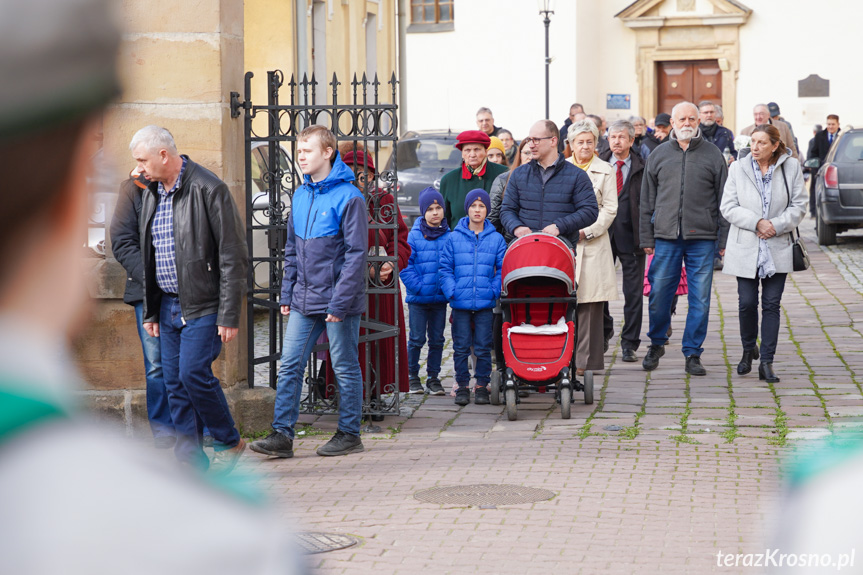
<point x="426" y="302"/>
<point x="470" y="272"/>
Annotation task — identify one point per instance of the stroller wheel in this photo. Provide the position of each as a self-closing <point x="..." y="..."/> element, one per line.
<point x="588" y="387"/>
<point x="511" y="408"/>
<point x="565" y="402"/>
<point x="494" y="387"/>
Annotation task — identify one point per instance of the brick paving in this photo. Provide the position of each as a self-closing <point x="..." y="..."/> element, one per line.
<point x="693" y="467"/>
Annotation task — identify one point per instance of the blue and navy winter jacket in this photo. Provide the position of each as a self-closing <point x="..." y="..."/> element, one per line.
<point x="421" y="276"/>
<point x="470" y="266"/>
<point x="325" y="251"/>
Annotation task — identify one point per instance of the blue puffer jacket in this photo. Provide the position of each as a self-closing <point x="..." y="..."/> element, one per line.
<point x="567" y="199"/>
<point x="325" y="251"/>
<point x="421" y="274"/>
<point x="470" y="266"/>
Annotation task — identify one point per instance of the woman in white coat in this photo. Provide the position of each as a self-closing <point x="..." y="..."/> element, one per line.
<point x="764" y="201"/>
<point x="597" y="282"/>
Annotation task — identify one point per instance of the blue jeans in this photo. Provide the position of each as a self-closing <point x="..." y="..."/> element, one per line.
<point x="472" y="328"/>
<point x="664" y="277"/>
<point x="189" y="348"/>
<point x="301" y="334"/>
<point x="771" y="299"/>
<point x="158" y="411"/>
<point x="431" y="319"/>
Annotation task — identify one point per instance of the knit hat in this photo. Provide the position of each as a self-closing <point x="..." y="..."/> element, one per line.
<point x="477" y="194"/>
<point x="359" y="158"/>
<point x="497" y="144"/>
<point x="662" y="120"/>
<point x="427" y="197"/>
<point x="472" y="137"/>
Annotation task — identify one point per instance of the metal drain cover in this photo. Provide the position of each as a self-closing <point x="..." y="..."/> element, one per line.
<point x="313" y="542"/>
<point x="484" y="495"/>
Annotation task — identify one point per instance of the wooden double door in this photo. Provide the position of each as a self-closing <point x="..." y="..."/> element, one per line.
<point x="688" y="81"/>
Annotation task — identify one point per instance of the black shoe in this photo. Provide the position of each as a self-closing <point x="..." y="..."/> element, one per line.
<point x="480" y="395"/>
<point x="433" y="386"/>
<point x="745" y="365"/>
<point x="765" y="371"/>
<point x="276" y="444"/>
<point x="523" y="392"/>
<point x="717" y="263"/>
<point x="462" y="396"/>
<point x="416" y="385"/>
<point x="694" y="367"/>
<point x="341" y="444"/>
<point x="651" y="360"/>
<point x="605" y="345"/>
<point x="164" y="441"/>
<point x="629" y="356"/>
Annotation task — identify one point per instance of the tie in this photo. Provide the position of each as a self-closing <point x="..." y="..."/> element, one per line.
<point x="830" y="137"/>
<point x="619" y="176"/>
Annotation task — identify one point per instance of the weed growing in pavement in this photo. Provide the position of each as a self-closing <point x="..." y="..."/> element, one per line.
<point x="584" y="432"/>
<point x="308" y="430"/>
<point x="730" y="434"/>
<point x="254" y="434"/>
<point x="684" y="439"/>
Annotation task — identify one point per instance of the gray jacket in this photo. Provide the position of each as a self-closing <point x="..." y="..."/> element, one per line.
<point x="681" y="192"/>
<point x="498" y="186"/>
<point x="741" y="205"/>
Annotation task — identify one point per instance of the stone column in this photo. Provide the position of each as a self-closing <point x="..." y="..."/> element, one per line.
<point x="178" y="62"/>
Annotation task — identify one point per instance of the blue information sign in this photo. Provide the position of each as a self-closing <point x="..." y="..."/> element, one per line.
<point x="617" y="101"/>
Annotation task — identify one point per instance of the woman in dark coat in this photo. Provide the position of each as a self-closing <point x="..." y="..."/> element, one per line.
<point x="382" y="308"/>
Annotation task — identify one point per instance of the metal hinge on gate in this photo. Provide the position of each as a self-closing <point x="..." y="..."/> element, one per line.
<point x="237" y="105"/>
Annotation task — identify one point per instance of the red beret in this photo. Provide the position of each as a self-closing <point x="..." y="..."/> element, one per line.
<point x="473" y="137"/>
<point x="360" y="158"/>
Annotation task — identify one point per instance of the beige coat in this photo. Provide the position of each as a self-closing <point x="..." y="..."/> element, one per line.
<point x="784" y="134"/>
<point x="594" y="260"/>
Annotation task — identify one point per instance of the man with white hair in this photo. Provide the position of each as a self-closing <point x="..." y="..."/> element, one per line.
<point x="680" y="221"/>
<point x="761" y="115"/>
<point x="195" y="261"/>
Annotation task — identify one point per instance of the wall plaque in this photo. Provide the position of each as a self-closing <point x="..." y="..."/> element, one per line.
<point x="617" y="101"/>
<point x="813" y="87"/>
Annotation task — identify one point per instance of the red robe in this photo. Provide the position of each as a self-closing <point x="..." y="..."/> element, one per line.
<point x="385" y="369"/>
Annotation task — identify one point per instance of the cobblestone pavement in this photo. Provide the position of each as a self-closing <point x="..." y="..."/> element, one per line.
<point x="658" y="476"/>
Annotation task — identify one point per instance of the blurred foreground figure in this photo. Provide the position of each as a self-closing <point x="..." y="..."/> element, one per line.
<point x="72" y="498"/>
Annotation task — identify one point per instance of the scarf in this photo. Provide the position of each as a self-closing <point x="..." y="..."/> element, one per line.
<point x="583" y="166"/>
<point x="431" y="233"/>
<point x="766" y="267"/>
<point x="467" y="172"/>
<point x="709" y="131"/>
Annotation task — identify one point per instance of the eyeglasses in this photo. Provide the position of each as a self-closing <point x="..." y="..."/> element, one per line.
<point x="532" y="141"/>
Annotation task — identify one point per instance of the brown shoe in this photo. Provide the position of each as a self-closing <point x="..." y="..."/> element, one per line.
<point x="223" y="462"/>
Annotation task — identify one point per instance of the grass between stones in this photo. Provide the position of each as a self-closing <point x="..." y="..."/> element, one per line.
<point x="730" y="434"/>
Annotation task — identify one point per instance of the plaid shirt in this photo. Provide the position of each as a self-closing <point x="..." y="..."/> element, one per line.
<point x="163" y="238"/>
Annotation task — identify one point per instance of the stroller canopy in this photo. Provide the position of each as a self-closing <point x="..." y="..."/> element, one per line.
<point x="538" y="255"/>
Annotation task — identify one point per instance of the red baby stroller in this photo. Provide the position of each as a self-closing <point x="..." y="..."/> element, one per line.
<point x="538" y="301"/>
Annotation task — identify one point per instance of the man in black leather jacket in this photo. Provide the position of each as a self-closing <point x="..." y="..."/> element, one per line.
<point x="195" y="262"/>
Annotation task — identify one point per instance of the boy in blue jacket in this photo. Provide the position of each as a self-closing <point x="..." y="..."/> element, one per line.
<point x="324" y="288"/>
<point x="425" y="299"/>
<point x="470" y="272"/>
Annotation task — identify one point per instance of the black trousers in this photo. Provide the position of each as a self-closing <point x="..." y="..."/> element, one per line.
<point x="633" y="300"/>
<point x="771" y="298"/>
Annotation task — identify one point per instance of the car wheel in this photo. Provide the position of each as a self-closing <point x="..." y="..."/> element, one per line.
<point x="826" y="232"/>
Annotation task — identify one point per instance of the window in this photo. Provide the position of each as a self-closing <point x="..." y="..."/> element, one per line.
<point x="431" y="15"/>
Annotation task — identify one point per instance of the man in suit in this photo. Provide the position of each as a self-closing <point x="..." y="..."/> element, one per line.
<point x="823" y="140"/>
<point x="761" y="115"/>
<point x="628" y="169"/>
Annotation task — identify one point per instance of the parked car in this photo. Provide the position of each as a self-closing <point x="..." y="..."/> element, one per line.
<point x="421" y="159"/>
<point x="839" y="187"/>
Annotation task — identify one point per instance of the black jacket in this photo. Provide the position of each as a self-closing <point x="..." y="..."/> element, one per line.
<point x="624" y="229"/>
<point x="126" y="240"/>
<point x="567" y="199"/>
<point x="681" y="192"/>
<point x="822" y="145"/>
<point x="721" y="137"/>
<point x="210" y="248"/>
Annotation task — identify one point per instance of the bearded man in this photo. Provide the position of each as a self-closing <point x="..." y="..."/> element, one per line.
<point x="680" y="221"/>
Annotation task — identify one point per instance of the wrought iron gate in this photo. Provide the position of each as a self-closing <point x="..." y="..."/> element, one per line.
<point x="366" y="123"/>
